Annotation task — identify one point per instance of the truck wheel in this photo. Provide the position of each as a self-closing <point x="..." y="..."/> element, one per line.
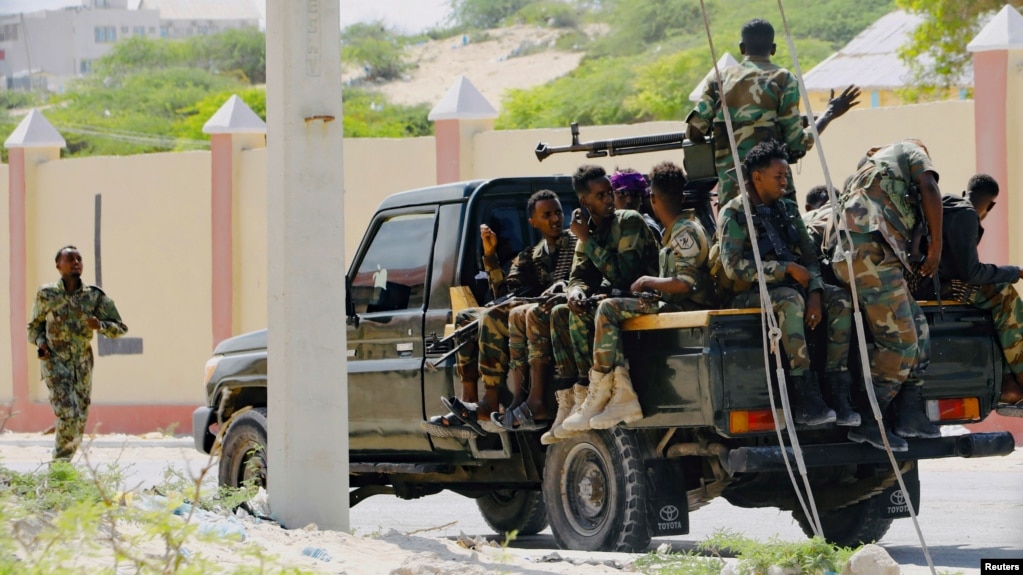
<point x="851" y="526"/>
<point x="243" y="453"/>
<point x="595" y="491"/>
<point x="507" y="510"/>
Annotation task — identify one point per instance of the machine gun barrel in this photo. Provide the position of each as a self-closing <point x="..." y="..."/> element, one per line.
<point x="616" y="147"/>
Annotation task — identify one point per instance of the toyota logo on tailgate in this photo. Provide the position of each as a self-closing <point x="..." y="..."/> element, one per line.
<point x="898" y="498"/>
<point x="669" y="513"/>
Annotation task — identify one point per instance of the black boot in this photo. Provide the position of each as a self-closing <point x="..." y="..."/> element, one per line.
<point x="837" y="391"/>
<point x="869" y="433"/>
<point x="810" y="408"/>
<point x="910" y="418"/>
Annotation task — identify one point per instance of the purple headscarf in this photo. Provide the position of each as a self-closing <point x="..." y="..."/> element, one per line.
<point x="634" y="182"/>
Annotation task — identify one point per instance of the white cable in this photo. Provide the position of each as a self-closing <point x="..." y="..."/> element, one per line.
<point x="772" y="333"/>
<point x="847" y="256"/>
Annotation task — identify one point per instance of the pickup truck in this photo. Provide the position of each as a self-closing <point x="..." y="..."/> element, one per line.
<point x="708" y="429"/>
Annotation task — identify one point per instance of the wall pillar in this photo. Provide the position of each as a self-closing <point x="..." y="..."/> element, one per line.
<point x="233" y="129"/>
<point x="33" y="143"/>
<point x="462" y="113"/>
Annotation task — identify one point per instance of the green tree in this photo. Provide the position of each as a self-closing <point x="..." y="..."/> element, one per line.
<point x="372" y="45"/>
<point x="936" y="54"/>
<point x="485" y="13"/>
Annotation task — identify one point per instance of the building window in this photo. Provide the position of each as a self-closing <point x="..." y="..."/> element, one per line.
<point x="139" y="31"/>
<point x="164" y="31"/>
<point x="124" y="30"/>
<point x="203" y="30"/>
<point x="85" y="67"/>
<point x="213" y="29"/>
<point x="106" y="34"/>
<point x="9" y="33"/>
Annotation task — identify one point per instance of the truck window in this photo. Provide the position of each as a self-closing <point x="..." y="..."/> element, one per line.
<point x="392" y="274"/>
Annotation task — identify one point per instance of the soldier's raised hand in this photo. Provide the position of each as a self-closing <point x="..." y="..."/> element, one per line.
<point x="93" y="323"/>
<point x="846" y="100"/>
<point x="579" y="228"/>
<point x="489" y="240"/>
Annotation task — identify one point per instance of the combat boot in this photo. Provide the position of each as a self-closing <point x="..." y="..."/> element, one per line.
<point x="910" y="418"/>
<point x="810" y="408"/>
<point x="597" y="396"/>
<point x="869" y="433"/>
<point x="566" y="400"/>
<point x="839" y="383"/>
<point x="624" y="405"/>
<point x="578" y="397"/>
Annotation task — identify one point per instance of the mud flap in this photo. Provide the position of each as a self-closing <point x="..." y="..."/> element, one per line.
<point x="893" y="500"/>
<point x="667" y="504"/>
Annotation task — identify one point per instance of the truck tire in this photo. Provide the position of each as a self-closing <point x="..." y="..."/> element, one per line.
<point x="595" y="491"/>
<point x="243" y="453"/>
<point x="507" y="510"/>
<point x="851" y="526"/>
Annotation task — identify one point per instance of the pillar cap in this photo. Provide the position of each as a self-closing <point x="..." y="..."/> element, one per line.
<point x="35" y="131"/>
<point x="1003" y="32"/>
<point x="463" y="102"/>
<point x="234" y="117"/>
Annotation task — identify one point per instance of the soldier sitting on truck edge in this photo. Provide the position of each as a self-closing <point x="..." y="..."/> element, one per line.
<point x="684" y="284"/>
<point x="633" y="193"/>
<point x="986" y="286"/>
<point x="763" y="101"/>
<point x="501" y="342"/>
<point x="893" y="196"/>
<point x="790" y="265"/>
<point x="614" y="248"/>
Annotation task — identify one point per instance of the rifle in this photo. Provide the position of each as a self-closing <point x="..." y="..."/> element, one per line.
<point x="590" y="303"/>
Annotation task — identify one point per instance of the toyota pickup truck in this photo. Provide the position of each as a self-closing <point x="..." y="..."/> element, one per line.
<point x="708" y="429"/>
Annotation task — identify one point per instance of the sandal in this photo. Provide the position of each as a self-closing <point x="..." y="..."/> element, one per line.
<point x="519" y="419"/>
<point x="1010" y="409"/>
<point x="447" y="426"/>
<point x="467" y="413"/>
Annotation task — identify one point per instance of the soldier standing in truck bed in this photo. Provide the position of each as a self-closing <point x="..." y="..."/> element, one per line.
<point x="501" y="344"/>
<point x="763" y="102"/>
<point x="798" y="293"/>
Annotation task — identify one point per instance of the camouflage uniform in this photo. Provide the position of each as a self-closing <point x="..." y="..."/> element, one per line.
<point x="763" y="101"/>
<point x="501" y="342"/>
<point x="618" y="253"/>
<point x="59" y="321"/>
<point x="684" y="256"/>
<point x="786" y="294"/>
<point x="880" y="213"/>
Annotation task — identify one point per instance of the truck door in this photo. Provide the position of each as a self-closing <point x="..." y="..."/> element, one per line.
<point x="385" y="349"/>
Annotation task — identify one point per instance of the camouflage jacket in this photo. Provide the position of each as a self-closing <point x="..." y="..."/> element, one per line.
<point x="737" y="248"/>
<point x="763" y="102"/>
<point x="59" y="320"/>
<point x="619" y="252"/>
<point x="816" y="223"/>
<point x="684" y="256"/>
<point x="533" y="270"/>
<point x="881" y="198"/>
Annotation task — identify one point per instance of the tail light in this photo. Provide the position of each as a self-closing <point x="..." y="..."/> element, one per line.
<point x="752" y="421"/>
<point x="954" y="409"/>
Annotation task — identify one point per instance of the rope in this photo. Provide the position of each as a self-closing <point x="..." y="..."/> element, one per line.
<point x="769" y="323"/>
<point x="846" y="254"/>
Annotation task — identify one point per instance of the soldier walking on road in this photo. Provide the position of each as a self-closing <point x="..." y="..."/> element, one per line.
<point x="63" y="318"/>
<point x="763" y="102"/>
<point x="892" y="198"/>
<point x="799" y="295"/>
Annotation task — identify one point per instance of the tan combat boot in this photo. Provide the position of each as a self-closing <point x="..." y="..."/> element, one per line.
<point x="624" y="405"/>
<point x="578" y="397"/>
<point x="597" y="396"/>
<point x="566" y="400"/>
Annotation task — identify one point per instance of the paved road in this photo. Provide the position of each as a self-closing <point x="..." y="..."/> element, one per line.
<point x="970" y="509"/>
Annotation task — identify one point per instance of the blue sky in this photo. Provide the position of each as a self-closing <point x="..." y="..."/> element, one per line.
<point x="406" y="15"/>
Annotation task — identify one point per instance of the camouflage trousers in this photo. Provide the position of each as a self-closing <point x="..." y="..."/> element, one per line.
<point x="1006" y="308"/>
<point x="572" y="344"/>
<point x="501" y="343"/>
<point x="608" y="351"/>
<point x="789" y="304"/>
<point x="898" y="324"/>
<point x="70" y="385"/>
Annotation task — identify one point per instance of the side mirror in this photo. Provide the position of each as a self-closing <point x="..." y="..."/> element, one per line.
<point x="352" y="318"/>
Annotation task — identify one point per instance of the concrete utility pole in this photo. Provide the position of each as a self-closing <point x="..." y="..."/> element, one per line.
<point x="307" y="369"/>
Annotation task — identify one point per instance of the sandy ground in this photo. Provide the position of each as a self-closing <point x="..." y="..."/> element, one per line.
<point x="490" y="65"/>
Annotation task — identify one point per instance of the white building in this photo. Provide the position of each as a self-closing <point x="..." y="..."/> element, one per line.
<point x="60" y="44"/>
